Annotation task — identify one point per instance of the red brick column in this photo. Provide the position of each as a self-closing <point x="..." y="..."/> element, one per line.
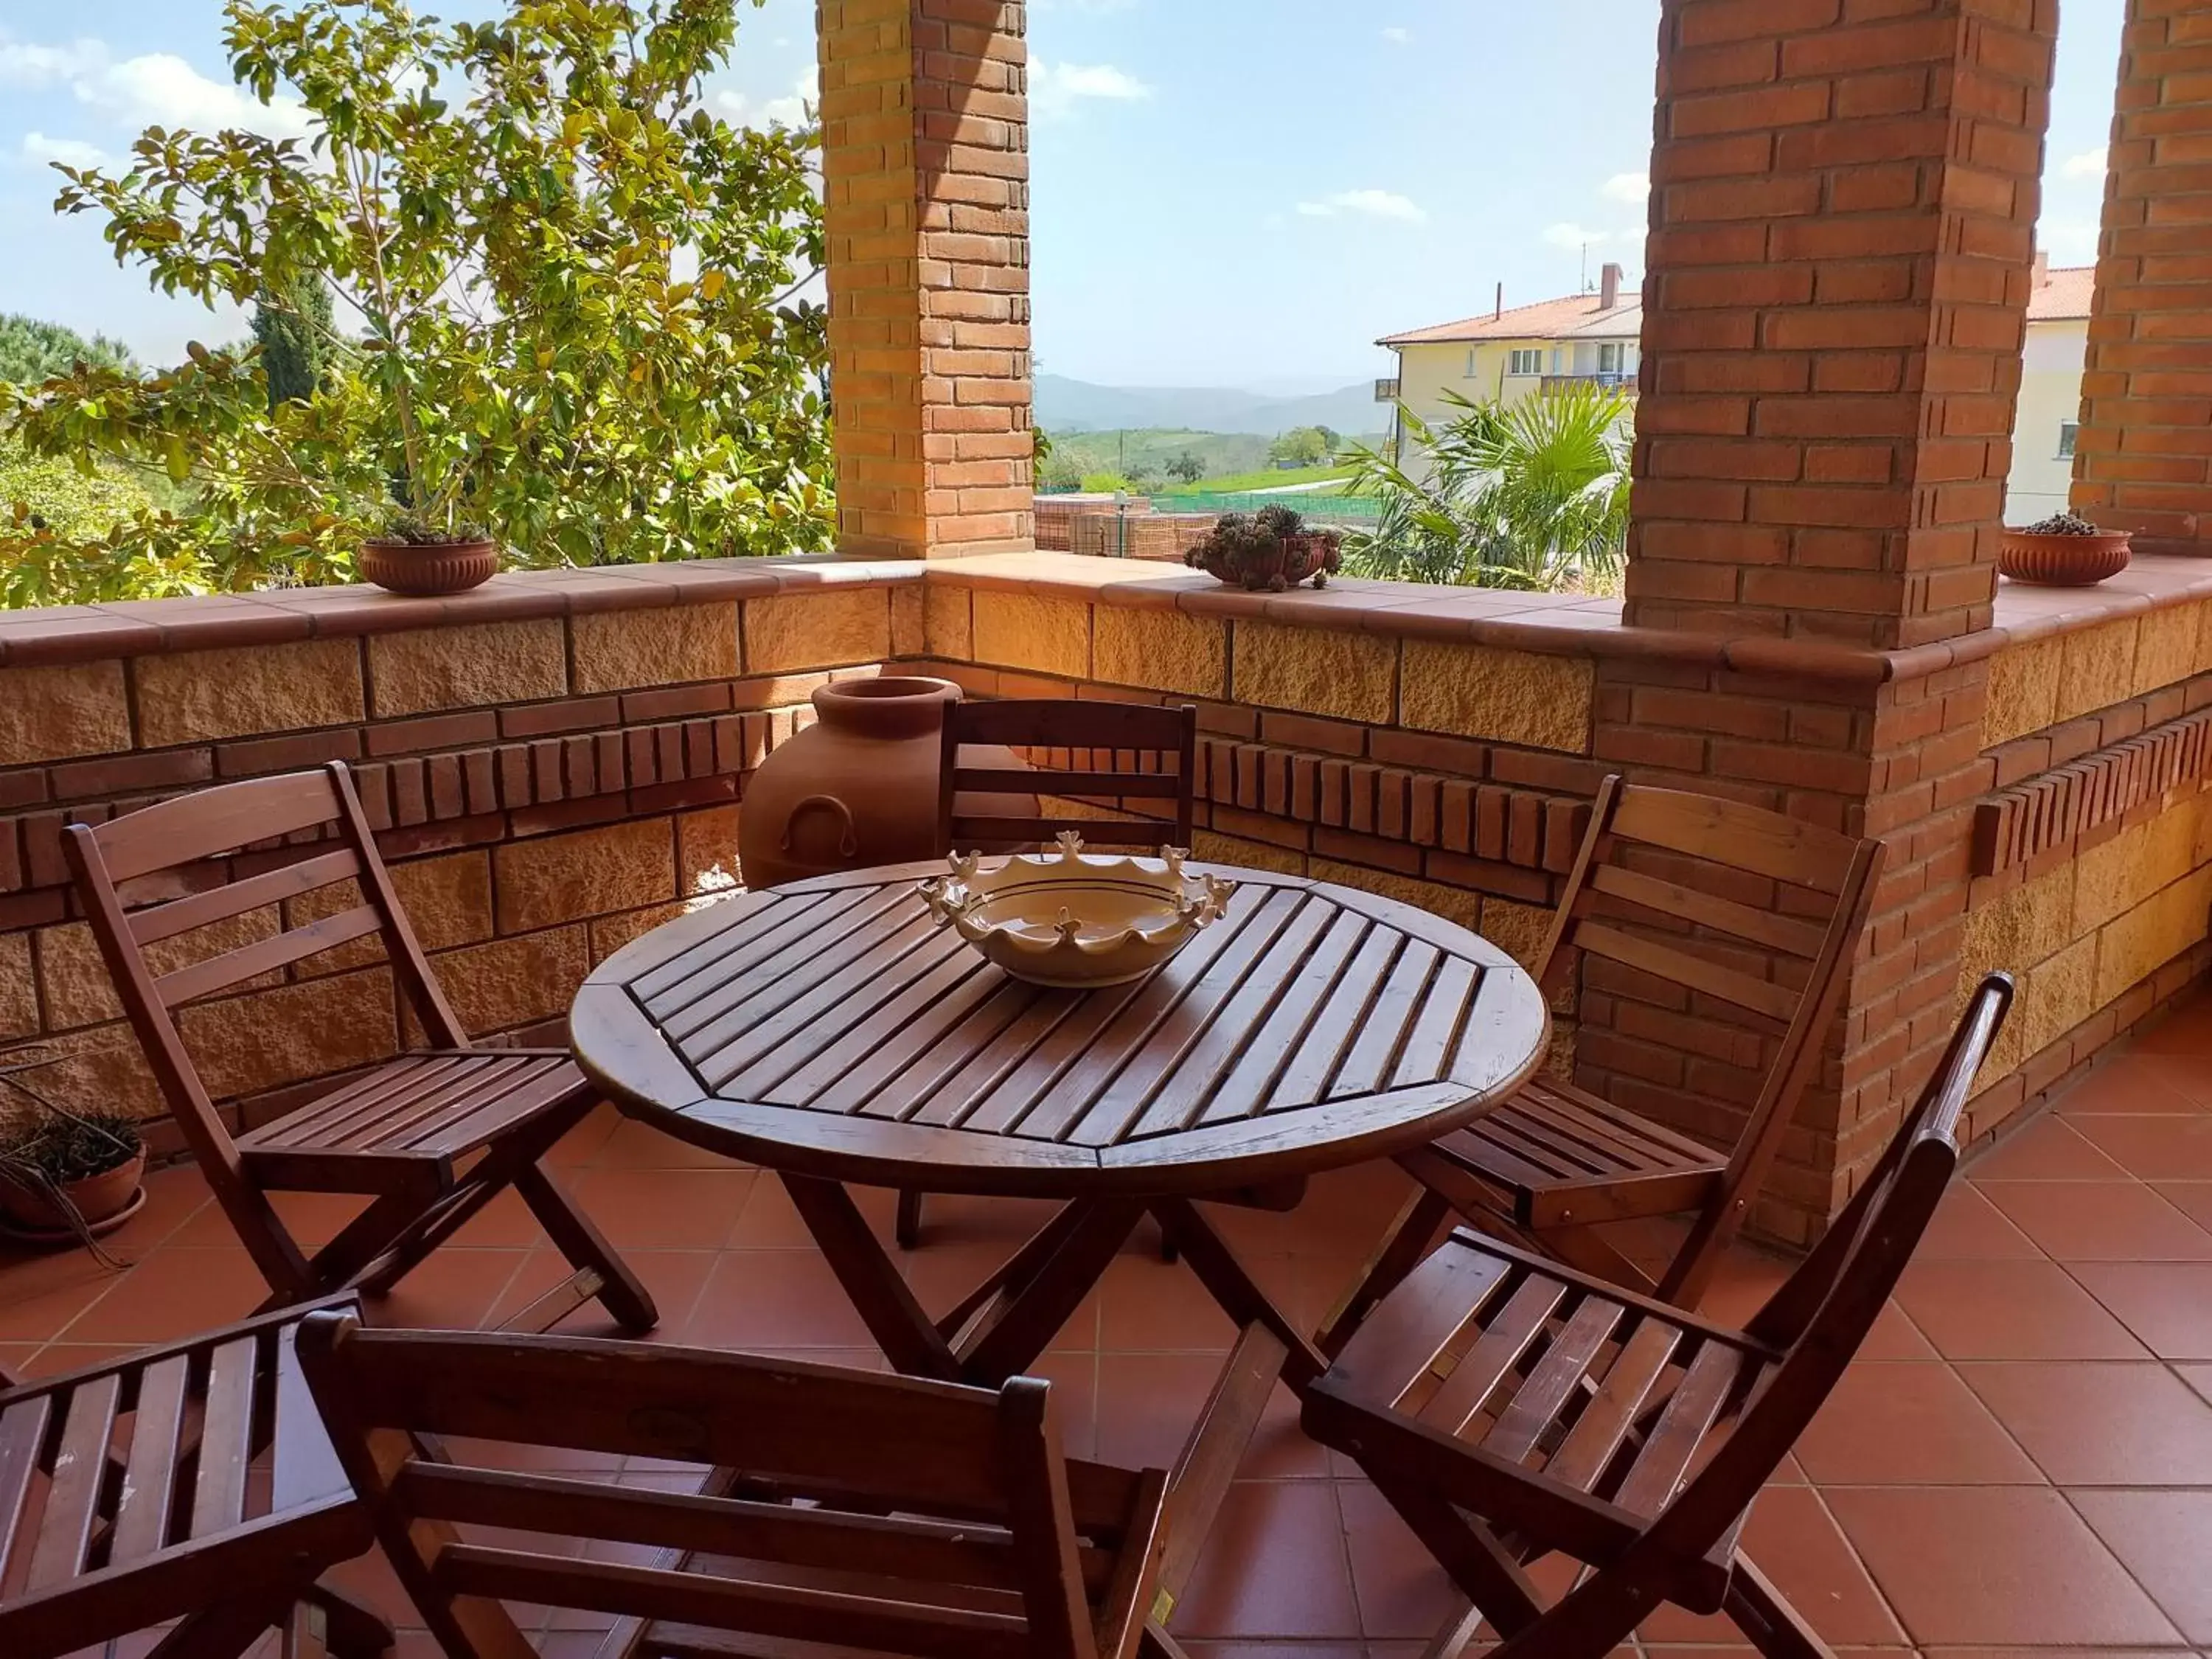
<point x="2144" y="459"/>
<point x="925" y="162"/>
<point x="1843" y="195"/>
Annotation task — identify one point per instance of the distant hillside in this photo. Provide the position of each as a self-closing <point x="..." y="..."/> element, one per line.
<point x="1065" y="405"/>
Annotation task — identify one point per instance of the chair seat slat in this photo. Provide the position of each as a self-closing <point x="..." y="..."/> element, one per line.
<point x="80" y="1469"/>
<point x="226" y="1437"/>
<point x="1519" y="1323"/>
<point x="1537" y="1402"/>
<point x="149" y="1473"/>
<point x="1604" y="1425"/>
<point x="23" y="1436"/>
<point x="1683" y="1425"/>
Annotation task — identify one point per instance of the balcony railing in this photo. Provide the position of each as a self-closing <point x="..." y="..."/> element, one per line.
<point x="1611" y="380"/>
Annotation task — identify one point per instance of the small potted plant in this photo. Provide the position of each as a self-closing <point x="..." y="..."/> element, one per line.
<point x="2063" y="550"/>
<point x="429" y="553"/>
<point x="1271" y="548"/>
<point x="65" y="1175"/>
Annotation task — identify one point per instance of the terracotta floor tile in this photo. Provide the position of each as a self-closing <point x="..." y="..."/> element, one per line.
<point x="1994" y="1566"/>
<point x="2050" y="1148"/>
<point x="775" y="1299"/>
<point x="583" y="1143"/>
<point x="2193" y="1198"/>
<point x="673" y="1279"/>
<point x="2170" y="1148"/>
<point x="505" y="1222"/>
<point x="664" y="1209"/>
<point x="1746" y="1276"/>
<point x="41" y="1294"/>
<point x="1909" y="1425"/>
<point x="312" y="1219"/>
<point x="1797" y="1544"/>
<point x="2010" y="1310"/>
<point x="1147" y="1403"/>
<point x="1402" y="1592"/>
<point x="453" y="1290"/>
<point x="2133" y="1083"/>
<point x="1967" y="1226"/>
<point x="767" y="1220"/>
<point x="2198" y="1377"/>
<point x="1894" y="1337"/>
<point x="59" y="1358"/>
<point x="2100" y="1221"/>
<point x="1147" y="1305"/>
<point x="174" y="1292"/>
<point x="2186" y="1031"/>
<point x="630" y="1145"/>
<point x="2102" y="1424"/>
<point x="2164" y="1538"/>
<point x="1274" y="1565"/>
<point x="953" y="1219"/>
<point x="942" y="1275"/>
<point x="2168" y="1305"/>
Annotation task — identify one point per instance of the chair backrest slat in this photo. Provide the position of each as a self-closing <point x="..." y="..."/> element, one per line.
<point x="208" y="822"/>
<point x="1726" y="831"/>
<point x="264" y="956"/>
<point x="1746" y="922"/>
<point x="1084" y="751"/>
<point x="852" y="1508"/>
<point x="1760" y="996"/>
<point x="159" y="921"/>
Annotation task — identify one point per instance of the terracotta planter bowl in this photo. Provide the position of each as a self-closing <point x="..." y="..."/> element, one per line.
<point x="427" y="570"/>
<point x="1293" y="560"/>
<point x="105" y="1201"/>
<point x="2064" y="561"/>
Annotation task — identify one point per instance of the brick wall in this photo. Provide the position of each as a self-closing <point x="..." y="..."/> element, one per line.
<point x="2143" y="461"/>
<point x="926" y="206"/>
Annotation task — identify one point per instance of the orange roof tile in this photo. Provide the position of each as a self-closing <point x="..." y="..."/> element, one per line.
<point x="2065" y="295"/>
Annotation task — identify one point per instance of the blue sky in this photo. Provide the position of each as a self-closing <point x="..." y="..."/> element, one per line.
<point x="1228" y="193"/>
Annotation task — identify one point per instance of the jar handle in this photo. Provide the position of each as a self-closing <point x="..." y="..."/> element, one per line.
<point x="847" y="844"/>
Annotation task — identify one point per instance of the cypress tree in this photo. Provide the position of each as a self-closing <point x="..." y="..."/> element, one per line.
<point x="294" y="341"/>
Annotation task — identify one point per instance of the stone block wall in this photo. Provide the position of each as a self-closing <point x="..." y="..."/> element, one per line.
<point x="552" y="766"/>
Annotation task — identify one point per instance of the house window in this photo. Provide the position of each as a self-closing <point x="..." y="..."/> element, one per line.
<point x="1525" y="362"/>
<point x="1471" y="357"/>
<point x="1608" y="358"/>
<point x="2069" y="431"/>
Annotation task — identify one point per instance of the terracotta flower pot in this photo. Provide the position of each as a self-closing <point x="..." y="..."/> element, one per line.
<point x="104" y="1201"/>
<point x="428" y="569"/>
<point x="1293" y="560"/>
<point x="2064" y="561"/>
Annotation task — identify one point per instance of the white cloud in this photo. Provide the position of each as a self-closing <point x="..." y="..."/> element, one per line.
<point x="1398" y="37"/>
<point x="1095" y="8"/>
<point x="2089" y="164"/>
<point x="1632" y="187"/>
<point x="2068" y="241"/>
<point x="154" y="88"/>
<point x="1056" y="89"/>
<point x="38" y="149"/>
<point x="790" y="110"/>
<point x="1375" y="203"/>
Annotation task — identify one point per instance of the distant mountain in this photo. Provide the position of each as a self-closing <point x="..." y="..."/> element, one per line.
<point x="1065" y="405"/>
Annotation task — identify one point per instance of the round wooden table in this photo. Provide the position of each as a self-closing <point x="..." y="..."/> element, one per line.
<point x="830" y="1031"/>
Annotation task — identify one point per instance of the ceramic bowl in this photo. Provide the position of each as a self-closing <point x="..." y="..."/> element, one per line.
<point x="1074" y="919"/>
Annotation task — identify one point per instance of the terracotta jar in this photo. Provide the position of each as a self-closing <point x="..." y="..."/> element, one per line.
<point x="858" y="787"/>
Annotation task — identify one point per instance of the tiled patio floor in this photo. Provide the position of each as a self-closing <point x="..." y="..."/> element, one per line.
<point x="2021" y="1459"/>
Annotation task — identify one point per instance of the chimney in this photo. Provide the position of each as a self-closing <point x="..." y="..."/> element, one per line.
<point x="2042" y="269"/>
<point x="1499" y="309"/>
<point x="1609" y="286"/>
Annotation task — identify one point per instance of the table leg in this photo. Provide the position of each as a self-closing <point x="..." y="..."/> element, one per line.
<point x="1005" y="1339"/>
<point x="904" y="1332"/>
<point x="1226" y="1281"/>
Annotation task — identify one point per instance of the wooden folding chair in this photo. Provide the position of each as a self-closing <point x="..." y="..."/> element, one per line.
<point x="1116" y="752"/>
<point x="1735" y="924"/>
<point x="1109" y="752"/>
<point x="430" y="1137"/>
<point x="1509" y="1408"/>
<point x="191" y="1482"/>
<point x="844" y="1513"/>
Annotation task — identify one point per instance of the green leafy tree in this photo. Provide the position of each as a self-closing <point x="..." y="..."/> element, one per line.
<point x="1186" y="466"/>
<point x="296" y="340"/>
<point x="508" y="214"/>
<point x="1531" y="495"/>
<point x="1301" y="445"/>
<point x="31" y="351"/>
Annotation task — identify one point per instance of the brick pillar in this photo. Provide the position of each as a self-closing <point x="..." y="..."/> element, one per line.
<point x="2144" y="459"/>
<point x="925" y="163"/>
<point x="1843" y="196"/>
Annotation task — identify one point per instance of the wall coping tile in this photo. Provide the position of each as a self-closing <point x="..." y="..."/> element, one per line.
<point x="1552" y="624"/>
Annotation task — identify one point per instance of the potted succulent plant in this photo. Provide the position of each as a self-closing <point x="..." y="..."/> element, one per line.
<point x="1271" y="548"/>
<point x="425" y="554"/>
<point x="65" y="1175"/>
<point x="2063" y="550"/>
